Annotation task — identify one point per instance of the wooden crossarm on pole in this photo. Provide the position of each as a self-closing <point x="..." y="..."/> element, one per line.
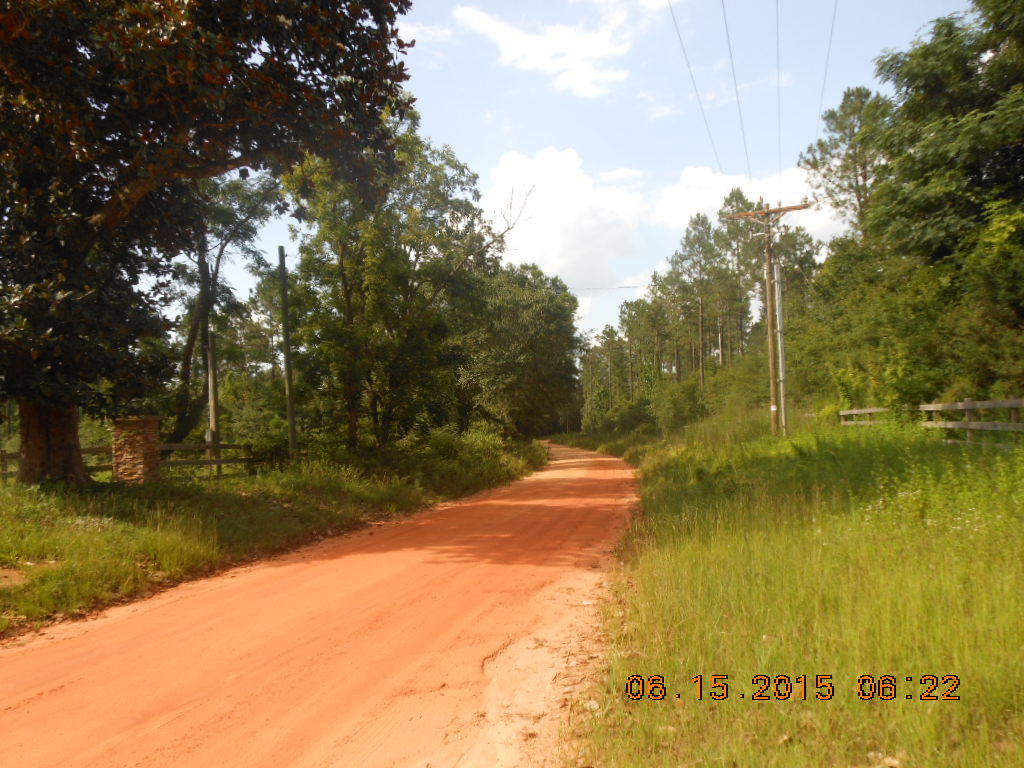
<point x="768" y="211"/>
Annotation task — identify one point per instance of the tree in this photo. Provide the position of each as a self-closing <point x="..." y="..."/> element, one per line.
<point x="522" y="362"/>
<point x="108" y="111"/>
<point x="381" y="285"/>
<point x="700" y="263"/>
<point x="846" y="163"/>
<point x="736" y="240"/>
<point x="230" y="211"/>
<point x="947" y="216"/>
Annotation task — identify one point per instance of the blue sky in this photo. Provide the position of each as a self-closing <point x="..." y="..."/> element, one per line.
<point x="588" y="103"/>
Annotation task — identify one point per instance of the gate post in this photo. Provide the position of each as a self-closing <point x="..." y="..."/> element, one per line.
<point x="137" y="449"/>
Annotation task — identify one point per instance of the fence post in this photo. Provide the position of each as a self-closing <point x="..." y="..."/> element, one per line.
<point x="250" y="467"/>
<point x="967" y="418"/>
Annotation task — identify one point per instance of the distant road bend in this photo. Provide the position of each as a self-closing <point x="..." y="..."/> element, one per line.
<point x="430" y="641"/>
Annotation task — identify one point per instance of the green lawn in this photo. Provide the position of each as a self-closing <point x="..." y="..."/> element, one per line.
<point x="836" y="552"/>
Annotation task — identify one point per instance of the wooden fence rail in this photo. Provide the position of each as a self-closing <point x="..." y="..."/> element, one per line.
<point x="212" y="449"/>
<point x="970" y="422"/>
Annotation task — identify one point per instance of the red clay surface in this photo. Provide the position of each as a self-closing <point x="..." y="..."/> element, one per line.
<point x="433" y="641"/>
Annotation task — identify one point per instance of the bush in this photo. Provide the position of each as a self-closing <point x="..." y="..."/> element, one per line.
<point x="677" y="404"/>
<point x="452" y="463"/>
<point x="627" y="417"/>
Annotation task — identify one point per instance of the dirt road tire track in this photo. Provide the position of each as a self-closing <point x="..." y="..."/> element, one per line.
<point x="438" y="640"/>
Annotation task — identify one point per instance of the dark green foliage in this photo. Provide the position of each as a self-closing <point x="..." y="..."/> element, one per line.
<point x="846" y="163"/>
<point x="108" y="112"/>
<point x="406" y="319"/>
<point x="678" y="404"/>
<point x="929" y="304"/>
<point x="521" y="365"/>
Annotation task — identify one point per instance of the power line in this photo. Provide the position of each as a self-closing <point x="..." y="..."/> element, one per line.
<point x="736" y="87"/>
<point x="693" y="80"/>
<point x="824" y="79"/>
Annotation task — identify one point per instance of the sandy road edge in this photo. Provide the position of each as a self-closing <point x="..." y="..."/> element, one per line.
<point x="538" y="678"/>
<point x="539" y="686"/>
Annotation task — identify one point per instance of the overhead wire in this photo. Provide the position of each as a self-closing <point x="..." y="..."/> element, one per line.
<point x="824" y="79"/>
<point x="736" y="87"/>
<point x="696" y="90"/>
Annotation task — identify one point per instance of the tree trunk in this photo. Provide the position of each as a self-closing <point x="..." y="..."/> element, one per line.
<point x="700" y="338"/>
<point x="50" y="448"/>
<point x="353" y="398"/>
<point x="189" y="410"/>
<point x="721" y="344"/>
<point x="375" y="416"/>
<point x="678" y="364"/>
<point x="740" y="332"/>
<point x="213" y="397"/>
<point x="630" y="368"/>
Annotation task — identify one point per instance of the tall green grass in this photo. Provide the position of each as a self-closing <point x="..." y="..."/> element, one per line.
<point x="71" y="552"/>
<point x="843" y="553"/>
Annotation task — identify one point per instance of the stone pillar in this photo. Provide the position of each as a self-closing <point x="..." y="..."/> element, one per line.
<point x="137" y="449"/>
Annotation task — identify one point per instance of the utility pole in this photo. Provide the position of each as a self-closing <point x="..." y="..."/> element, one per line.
<point x="773" y="312"/>
<point x="213" y="433"/>
<point x="286" y="330"/>
<point x="780" y="348"/>
<point x="206" y="301"/>
<point x="770" y="317"/>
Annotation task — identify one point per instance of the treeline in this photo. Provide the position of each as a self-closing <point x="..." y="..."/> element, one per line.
<point x="921" y="298"/>
<point x="143" y="145"/>
<point x="403" y="317"/>
<point x="669" y="357"/>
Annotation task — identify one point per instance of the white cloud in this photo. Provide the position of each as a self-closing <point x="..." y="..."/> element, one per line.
<point x="586" y="227"/>
<point x="425" y="33"/>
<point x="620" y="174"/>
<point x="644" y="6"/>
<point x="658" y="106"/>
<point x="574" y="225"/>
<point x="586" y="304"/>
<point x="575" y="57"/>
<point x="701" y="190"/>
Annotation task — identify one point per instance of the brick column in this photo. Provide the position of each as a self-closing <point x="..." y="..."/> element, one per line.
<point x="137" y="449"/>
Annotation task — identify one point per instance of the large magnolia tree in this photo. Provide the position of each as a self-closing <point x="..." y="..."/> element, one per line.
<point x="109" y="111"/>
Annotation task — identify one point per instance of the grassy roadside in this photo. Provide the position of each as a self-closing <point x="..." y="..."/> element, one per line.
<point x="843" y="553"/>
<point x="63" y="554"/>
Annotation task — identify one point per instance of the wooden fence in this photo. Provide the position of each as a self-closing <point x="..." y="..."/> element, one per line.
<point x="212" y="451"/>
<point x="977" y="416"/>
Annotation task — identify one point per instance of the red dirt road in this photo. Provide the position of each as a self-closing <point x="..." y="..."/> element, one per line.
<point x="433" y="641"/>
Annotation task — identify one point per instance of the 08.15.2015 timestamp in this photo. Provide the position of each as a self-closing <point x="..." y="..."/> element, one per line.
<point x="797" y="688"/>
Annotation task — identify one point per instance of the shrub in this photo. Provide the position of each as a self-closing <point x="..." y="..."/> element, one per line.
<point x="678" y="404"/>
